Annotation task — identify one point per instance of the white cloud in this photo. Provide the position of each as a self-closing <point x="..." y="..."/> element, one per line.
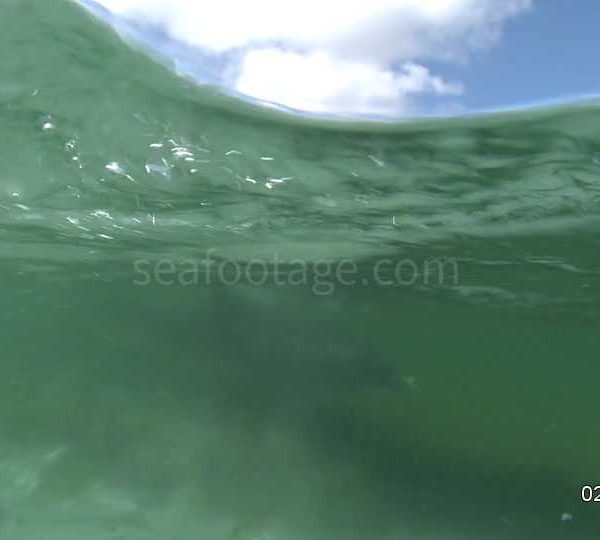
<point x="318" y="82"/>
<point x="329" y="55"/>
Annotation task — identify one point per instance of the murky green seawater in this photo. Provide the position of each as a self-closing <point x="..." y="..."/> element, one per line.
<point x="460" y="404"/>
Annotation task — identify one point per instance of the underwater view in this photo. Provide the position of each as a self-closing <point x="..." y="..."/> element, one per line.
<point x="228" y="315"/>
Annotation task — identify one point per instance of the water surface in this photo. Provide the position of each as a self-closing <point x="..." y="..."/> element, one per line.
<point x="452" y="405"/>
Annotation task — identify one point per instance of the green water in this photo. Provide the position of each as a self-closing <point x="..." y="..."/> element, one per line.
<point x="140" y="402"/>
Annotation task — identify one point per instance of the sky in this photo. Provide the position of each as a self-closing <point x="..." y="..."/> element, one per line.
<point x="388" y="58"/>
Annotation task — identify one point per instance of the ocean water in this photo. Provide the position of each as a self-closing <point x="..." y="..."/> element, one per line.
<point x="221" y="321"/>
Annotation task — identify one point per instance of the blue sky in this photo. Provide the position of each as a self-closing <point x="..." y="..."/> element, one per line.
<point x="388" y="58"/>
<point x="551" y="52"/>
